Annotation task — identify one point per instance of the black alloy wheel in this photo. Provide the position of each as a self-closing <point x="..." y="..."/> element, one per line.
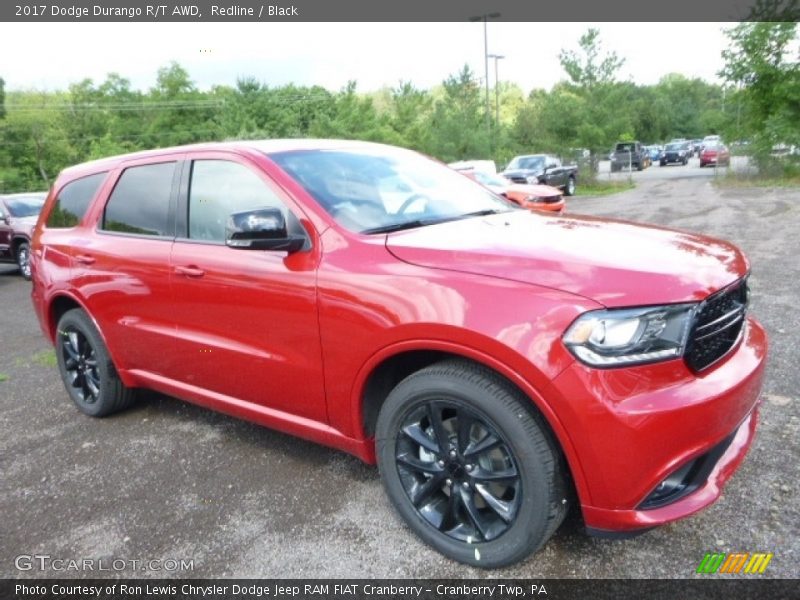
<point x="458" y="472"/>
<point x="86" y="368"/>
<point x="80" y="365"/>
<point x="470" y="465"/>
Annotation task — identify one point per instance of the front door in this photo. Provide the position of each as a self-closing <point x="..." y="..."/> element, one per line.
<point x="247" y="325"/>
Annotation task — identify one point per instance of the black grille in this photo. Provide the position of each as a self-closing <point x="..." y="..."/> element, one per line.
<point x="519" y="179"/>
<point x="717" y="325"/>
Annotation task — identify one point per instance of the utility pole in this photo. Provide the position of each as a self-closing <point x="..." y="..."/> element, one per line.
<point x="496" y="57"/>
<point x="485" y="18"/>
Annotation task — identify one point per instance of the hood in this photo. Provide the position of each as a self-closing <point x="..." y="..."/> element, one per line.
<point x="615" y="263"/>
<point x="532" y="189"/>
<point x="24" y="224"/>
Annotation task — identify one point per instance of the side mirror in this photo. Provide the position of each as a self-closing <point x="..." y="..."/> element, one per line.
<point x="261" y="229"/>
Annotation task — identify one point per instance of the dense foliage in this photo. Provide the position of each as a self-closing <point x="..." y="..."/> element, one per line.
<point x="42" y="132"/>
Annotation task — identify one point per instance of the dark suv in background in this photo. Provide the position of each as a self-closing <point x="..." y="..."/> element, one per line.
<point x="629" y="154"/>
<point x="18" y="214"/>
<point x="676" y="152"/>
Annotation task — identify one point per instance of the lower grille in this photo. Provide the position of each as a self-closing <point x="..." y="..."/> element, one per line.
<point x="688" y="478"/>
<point x="717" y="326"/>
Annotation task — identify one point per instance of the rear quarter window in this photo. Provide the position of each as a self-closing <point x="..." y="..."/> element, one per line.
<point x="73" y="200"/>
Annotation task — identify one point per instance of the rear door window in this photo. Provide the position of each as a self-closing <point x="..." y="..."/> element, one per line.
<point x="73" y="200"/>
<point x="140" y="201"/>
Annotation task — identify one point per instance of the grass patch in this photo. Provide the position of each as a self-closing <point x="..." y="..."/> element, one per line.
<point x="46" y="358"/>
<point x="739" y="180"/>
<point x="603" y="188"/>
<point x="3" y="377"/>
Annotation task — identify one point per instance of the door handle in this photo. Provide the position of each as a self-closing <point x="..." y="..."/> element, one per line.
<point x="85" y="259"/>
<point x="190" y="271"/>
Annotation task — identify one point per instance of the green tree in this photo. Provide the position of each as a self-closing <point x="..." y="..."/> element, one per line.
<point x="601" y="113"/>
<point x="457" y="121"/>
<point x="178" y="113"/>
<point x="759" y="62"/>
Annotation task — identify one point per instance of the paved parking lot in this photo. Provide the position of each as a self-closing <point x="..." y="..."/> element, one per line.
<point x="167" y="480"/>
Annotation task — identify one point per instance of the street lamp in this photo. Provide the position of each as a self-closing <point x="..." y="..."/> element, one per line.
<point x="485" y="18"/>
<point x="496" y="57"/>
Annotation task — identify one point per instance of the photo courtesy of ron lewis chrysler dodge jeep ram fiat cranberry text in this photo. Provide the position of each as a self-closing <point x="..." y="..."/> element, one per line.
<point x="497" y="364"/>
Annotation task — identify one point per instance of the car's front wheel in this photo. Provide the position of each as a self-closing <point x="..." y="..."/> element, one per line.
<point x="86" y="367"/>
<point x="468" y="466"/>
<point x="24" y="260"/>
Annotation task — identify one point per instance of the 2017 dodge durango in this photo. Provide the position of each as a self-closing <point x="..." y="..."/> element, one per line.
<point x="497" y="364"/>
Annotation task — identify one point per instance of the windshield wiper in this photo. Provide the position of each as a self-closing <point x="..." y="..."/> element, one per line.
<point x="424" y="222"/>
<point x="405" y="225"/>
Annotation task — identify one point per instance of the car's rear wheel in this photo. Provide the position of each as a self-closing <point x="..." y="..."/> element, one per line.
<point x="569" y="190"/>
<point x="24" y="260"/>
<point x="470" y="468"/>
<point x="86" y="367"/>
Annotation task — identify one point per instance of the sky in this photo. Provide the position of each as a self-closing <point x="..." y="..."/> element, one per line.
<point x="50" y="56"/>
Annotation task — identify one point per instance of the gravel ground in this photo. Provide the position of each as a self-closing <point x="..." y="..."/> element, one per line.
<point x="168" y="480"/>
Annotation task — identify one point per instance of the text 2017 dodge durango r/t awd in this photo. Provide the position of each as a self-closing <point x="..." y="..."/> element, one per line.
<point x="496" y="364"/>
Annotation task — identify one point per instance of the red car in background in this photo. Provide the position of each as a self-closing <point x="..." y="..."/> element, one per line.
<point x="532" y="196"/>
<point x="497" y="364"/>
<point x="715" y="153"/>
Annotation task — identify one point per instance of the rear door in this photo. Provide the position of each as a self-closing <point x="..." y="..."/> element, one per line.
<point x="122" y="268"/>
<point x="247" y="323"/>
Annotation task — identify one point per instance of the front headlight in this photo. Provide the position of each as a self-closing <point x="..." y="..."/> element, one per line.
<point x="610" y="338"/>
<point x="532" y="179"/>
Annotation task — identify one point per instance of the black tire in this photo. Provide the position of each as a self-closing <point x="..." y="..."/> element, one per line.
<point x="86" y="367"/>
<point x="663" y="163"/>
<point x="569" y="189"/>
<point x="485" y="431"/>
<point x="639" y="166"/>
<point x="23" y="258"/>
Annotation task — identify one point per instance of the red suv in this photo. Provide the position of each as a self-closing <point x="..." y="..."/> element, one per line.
<point x="495" y="363"/>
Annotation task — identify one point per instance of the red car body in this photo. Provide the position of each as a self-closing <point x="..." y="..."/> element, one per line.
<point x="715" y="154"/>
<point x="184" y="319"/>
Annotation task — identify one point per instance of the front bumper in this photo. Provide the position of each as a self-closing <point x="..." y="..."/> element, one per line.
<point x="632" y="428"/>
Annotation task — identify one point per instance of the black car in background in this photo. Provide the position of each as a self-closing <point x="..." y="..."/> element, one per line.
<point x="676" y="152"/>
<point x="542" y="168"/>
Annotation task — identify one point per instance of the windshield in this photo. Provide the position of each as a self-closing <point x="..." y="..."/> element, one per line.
<point x="626" y="147"/>
<point x="26" y="206"/>
<point x="675" y="146"/>
<point x="375" y="190"/>
<point x="533" y="163"/>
